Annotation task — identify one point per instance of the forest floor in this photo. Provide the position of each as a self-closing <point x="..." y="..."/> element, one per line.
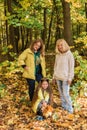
<point x="16" y="113"/>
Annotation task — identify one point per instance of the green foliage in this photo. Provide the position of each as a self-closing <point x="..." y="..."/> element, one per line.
<point x="24" y="20"/>
<point x="2" y="90"/>
<point x="28" y="13"/>
<point x="78" y="13"/>
<point x="81" y="67"/>
<point x="24" y="16"/>
<point x="6" y="50"/>
<point x="7" y="67"/>
<point x="81" y="43"/>
<point x="80" y="78"/>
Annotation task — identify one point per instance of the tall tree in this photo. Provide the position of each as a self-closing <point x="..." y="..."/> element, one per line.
<point x="67" y="22"/>
<point x="86" y="14"/>
<point x="11" y="28"/>
<point x="6" y="23"/>
<point x="58" y="20"/>
<point x="49" y="31"/>
<point x="44" y="33"/>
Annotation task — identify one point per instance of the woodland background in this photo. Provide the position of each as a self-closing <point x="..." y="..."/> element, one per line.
<point x="21" y="21"/>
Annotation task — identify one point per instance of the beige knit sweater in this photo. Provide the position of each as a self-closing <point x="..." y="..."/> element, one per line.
<point x="64" y="66"/>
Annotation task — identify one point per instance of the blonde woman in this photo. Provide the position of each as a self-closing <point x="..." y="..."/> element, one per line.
<point x="64" y="72"/>
<point x="33" y="62"/>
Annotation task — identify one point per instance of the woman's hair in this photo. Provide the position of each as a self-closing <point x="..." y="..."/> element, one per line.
<point x="64" y="43"/>
<point x="49" y="90"/>
<point x="40" y="84"/>
<point x="42" y="48"/>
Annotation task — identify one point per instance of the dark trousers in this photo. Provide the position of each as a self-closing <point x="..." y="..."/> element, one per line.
<point x="31" y="85"/>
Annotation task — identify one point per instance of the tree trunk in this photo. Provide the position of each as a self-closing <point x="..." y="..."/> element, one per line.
<point x="16" y="33"/>
<point x="22" y="35"/>
<point x="6" y="23"/>
<point x="44" y="33"/>
<point x="86" y="14"/>
<point x="78" y="29"/>
<point x="29" y="38"/>
<point x="11" y="28"/>
<point x="67" y="22"/>
<point x="50" y="25"/>
<point x="58" y="32"/>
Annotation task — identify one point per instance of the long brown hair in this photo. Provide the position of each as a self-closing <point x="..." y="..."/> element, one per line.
<point x="49" y="90"/>
<point x="42" y="48"/>
<point x="40" y="85"/>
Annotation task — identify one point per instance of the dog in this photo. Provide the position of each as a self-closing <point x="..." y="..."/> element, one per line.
<point x="47" y="111"/>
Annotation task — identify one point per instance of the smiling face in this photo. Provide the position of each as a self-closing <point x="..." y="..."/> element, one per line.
<point x="45" y="84"/>
<point x="37" y="46"/>
<point x="60" y="47"/>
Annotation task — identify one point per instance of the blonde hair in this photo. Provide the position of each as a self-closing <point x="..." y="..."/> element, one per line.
<point x="64" y="43"/>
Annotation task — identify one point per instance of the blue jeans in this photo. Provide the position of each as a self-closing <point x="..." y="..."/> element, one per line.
<point x="31" y="85"/>
<point x="63" y="88"/>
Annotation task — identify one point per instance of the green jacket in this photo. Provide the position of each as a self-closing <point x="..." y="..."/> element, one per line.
<point x="39" y="98"/>
<point x="27" y="58"/>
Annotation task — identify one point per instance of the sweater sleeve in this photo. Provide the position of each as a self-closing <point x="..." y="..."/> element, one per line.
<point x="21" y="58"/>
<point x="71" y="67"/>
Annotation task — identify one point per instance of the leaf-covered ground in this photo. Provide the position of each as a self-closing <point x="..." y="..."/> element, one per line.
<point x="15" y="108"/>
<point x="16" y="113"/>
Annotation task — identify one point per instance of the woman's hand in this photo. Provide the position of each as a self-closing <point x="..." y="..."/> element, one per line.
<point x="44" y="104"/>
<point x="26" y="67"/>
<point x="69" y="82"/>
